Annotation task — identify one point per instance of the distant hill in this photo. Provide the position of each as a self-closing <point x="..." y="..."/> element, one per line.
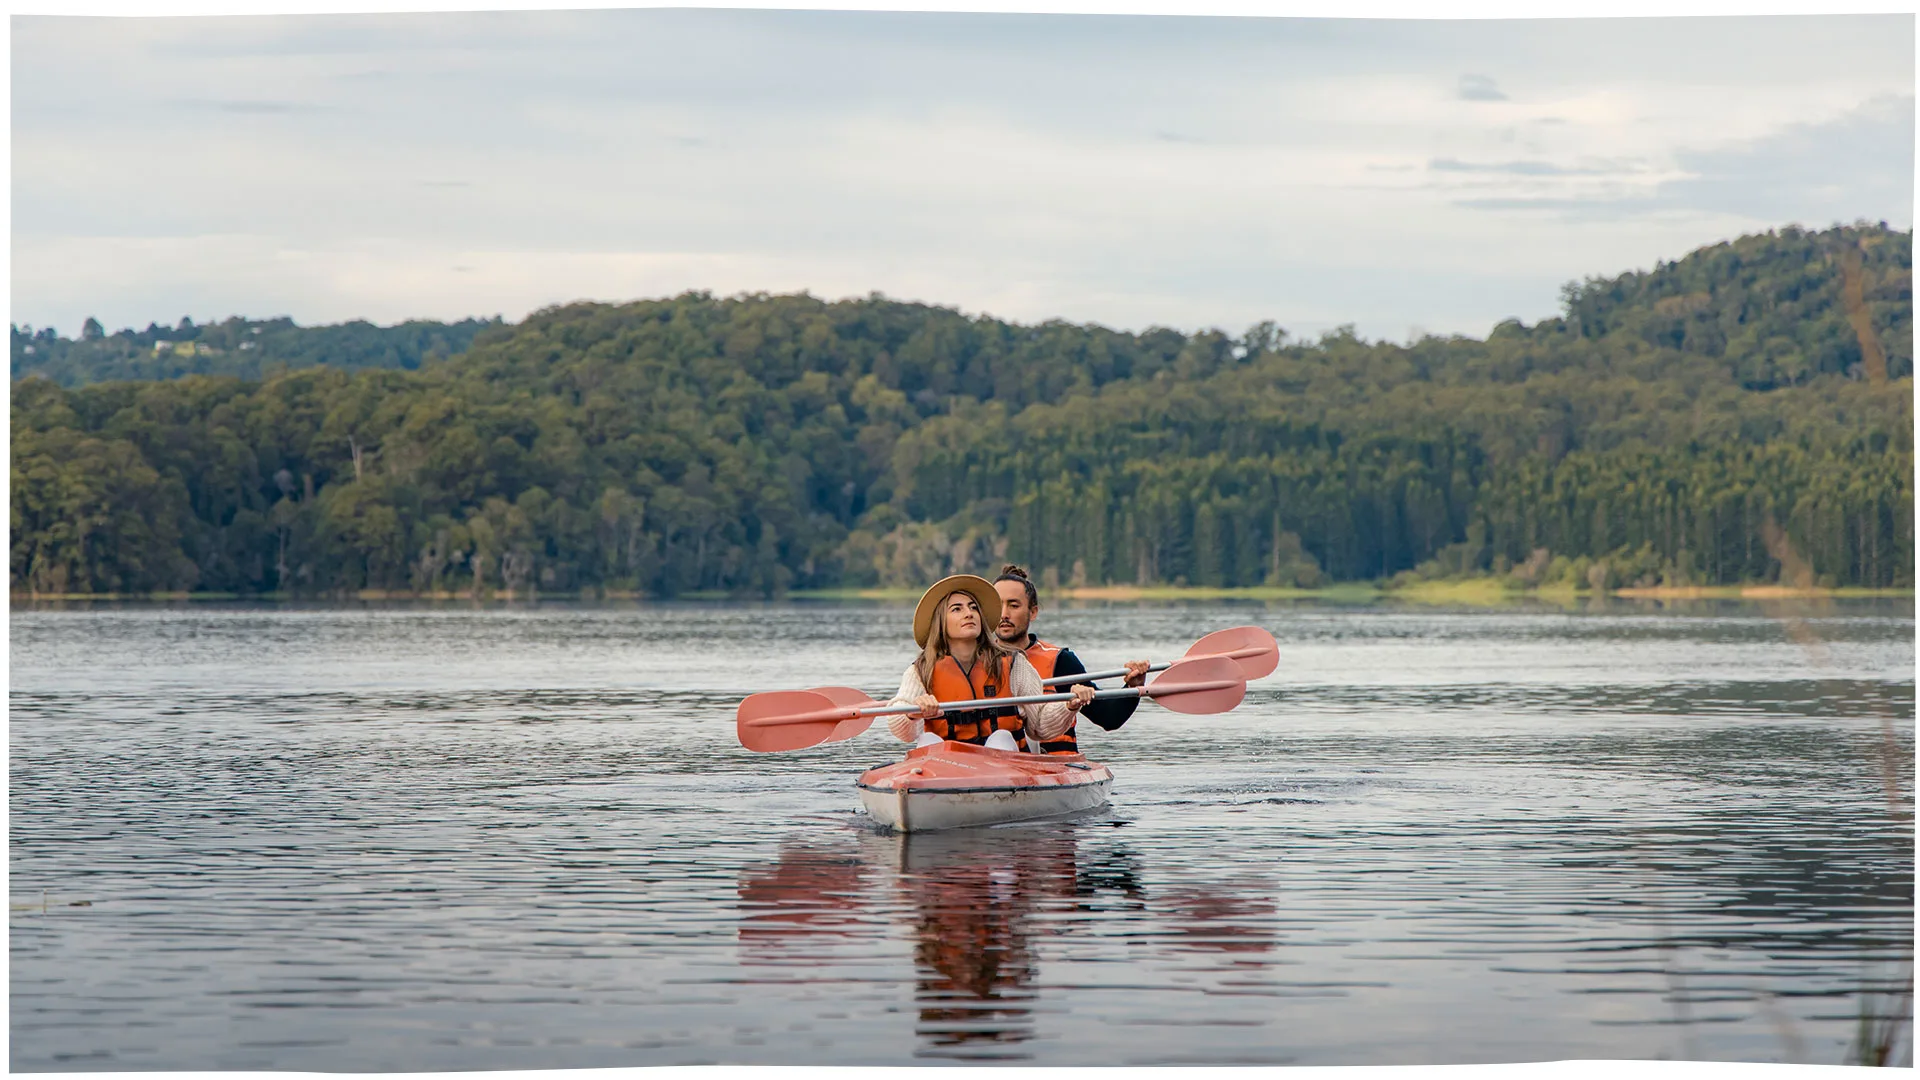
<point x="247" y="349"/>
<point x="1744" y="414"/>
<point x="1778" y="308"/>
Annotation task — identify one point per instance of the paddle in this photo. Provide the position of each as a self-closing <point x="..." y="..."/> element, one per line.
<point x="848" y="696"/>
<point x="1252" y="649"/>
<point x="793" y="719"/>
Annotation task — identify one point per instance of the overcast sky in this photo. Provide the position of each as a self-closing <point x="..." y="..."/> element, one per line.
<point x="1402" y="176"/>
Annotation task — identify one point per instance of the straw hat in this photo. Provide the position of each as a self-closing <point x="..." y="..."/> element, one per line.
<point x="973" y="585"/>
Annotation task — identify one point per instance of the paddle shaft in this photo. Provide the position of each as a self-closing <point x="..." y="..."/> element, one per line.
<point x="1088" y="676"/>
<point x="846" y="713"/>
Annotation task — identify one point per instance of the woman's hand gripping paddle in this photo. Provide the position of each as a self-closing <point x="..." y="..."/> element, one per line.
<point x="1252" y="650"/>
<point x="794" y="719"/>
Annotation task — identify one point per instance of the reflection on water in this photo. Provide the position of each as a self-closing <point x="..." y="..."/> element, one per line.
<point x="431" y="839"/>
<point x="977" y="903"/>
<point x="811" y="893"/>
<point x="971" y="898"/>
<point x="1226" y="917"/>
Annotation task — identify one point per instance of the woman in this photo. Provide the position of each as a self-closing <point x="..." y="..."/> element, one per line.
<point x="962" y="659"/>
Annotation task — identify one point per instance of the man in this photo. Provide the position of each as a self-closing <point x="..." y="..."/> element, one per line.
<point x="1019" y="603"/>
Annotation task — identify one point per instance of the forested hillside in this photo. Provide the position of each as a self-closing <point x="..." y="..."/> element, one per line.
<point x="246" y="348"/>
<point x="1696" y="424"/>
<point x="1777" y="312"/>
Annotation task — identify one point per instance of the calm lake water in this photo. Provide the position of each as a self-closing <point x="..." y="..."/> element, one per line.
<point x="448" y="838"/>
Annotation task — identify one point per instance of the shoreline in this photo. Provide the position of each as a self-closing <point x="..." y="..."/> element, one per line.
<point x="1480" y="591"/>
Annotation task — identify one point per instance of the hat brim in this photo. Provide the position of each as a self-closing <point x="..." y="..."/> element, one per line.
<point x="973" y="585"/>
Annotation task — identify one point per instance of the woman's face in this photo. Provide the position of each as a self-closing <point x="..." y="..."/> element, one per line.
<point x="962" y="617"/>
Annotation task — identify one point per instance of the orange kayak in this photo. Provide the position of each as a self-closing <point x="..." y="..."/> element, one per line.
<point x="956" y="785"/>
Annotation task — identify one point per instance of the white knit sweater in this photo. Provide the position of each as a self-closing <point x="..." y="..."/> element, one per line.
<point x="1044" y="721"/>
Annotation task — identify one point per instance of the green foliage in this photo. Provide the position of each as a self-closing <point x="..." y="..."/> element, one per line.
<point x="240" y="347"/>
<point x="761" y="443"/>
<point x="1771" y="307"/>
<point x="89" y="515"/>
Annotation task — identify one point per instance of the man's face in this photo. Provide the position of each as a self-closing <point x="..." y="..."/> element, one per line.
<point x="1015" y="615"/>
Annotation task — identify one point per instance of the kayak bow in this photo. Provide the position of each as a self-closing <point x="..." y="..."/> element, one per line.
<point x="954" y="785"/>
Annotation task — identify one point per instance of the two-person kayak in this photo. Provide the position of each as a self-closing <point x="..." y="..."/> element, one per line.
<point x="952" y="784"/>
<point x="970" y="701"/>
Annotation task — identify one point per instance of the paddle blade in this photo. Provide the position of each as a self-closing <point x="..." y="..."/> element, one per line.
<point x="788" y="719"/>
<point x="853" y="699"/>
<point x="1209" y="684"/>
<point x="1251" y="649"/>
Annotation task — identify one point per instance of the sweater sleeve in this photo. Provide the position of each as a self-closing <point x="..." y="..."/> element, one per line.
<point x="905" y="727"/>
<point x="1045" y="720"/>
<point x="1108" y="713"/>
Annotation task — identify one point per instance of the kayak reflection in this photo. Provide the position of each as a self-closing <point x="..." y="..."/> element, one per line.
<point x="977" y="902"/>
<point x="975" y="894"/>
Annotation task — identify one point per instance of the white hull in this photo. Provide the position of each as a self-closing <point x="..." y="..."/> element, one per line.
<point x="927" y="810"/>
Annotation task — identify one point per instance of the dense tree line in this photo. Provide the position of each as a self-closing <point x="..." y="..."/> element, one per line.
<point x="761" y="443"/>
<point x="249" y="349"/>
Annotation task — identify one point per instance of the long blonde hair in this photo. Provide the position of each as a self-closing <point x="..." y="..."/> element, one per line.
<point x="997" y="653"/>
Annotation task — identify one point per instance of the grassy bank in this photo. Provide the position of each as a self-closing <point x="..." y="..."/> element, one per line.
<point x="1493" y="591"/>
<point x="1478" y="592"/>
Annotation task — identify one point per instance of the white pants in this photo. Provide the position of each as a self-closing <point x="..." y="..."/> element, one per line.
<point x="999" y="740"/>
<point x="1002" y="740"/>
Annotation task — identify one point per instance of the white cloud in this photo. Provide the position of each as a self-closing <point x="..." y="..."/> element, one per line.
<point x="1129" y="171"/>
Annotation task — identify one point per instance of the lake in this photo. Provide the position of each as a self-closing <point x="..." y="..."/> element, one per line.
<point x="449" y="837"/>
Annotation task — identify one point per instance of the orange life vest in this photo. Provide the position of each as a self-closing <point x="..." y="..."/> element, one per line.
<point x="952" y="683"/>
<point x="1043" y="657"/>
